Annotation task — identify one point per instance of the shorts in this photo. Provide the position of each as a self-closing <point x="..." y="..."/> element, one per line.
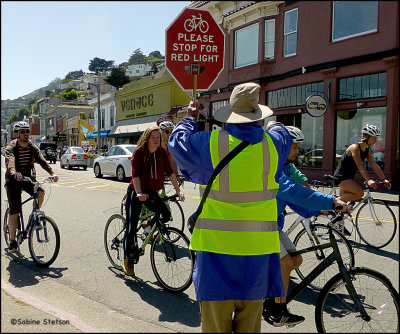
<point x="287" y="246"/>
<point x="14" y="190"/>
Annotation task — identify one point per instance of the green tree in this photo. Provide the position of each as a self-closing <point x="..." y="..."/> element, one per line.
<point x="48" y="93"/>
<point x="100" y="65"/>
<point x="137" y="57"/>
<point x="156" y="54"/>
<point x="82" y="116"/>
<point x="117" y="78"/>
<point x="75" y="74"/>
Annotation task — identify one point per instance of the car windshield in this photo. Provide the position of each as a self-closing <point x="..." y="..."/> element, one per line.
<point x="131" y="148"/>
<point x="77" y="150"/>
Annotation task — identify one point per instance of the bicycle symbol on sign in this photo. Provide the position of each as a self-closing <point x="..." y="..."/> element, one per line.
<point x="192" y="24"/>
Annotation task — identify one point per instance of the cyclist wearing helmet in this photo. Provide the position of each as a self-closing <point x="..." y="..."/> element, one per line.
<point x="20" y="156"/>
<point x="295" y="174"/>
<point x="306" y="202"/>
<point x="352" y="160"/>
<point x="166" y="129"/>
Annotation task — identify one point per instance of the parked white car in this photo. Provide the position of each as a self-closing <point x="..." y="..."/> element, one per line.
<point x="74" y="156"/>
<point x="116" y="162"/>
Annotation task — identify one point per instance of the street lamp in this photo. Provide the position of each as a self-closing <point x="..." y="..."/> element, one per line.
<point x="98" y="115"/>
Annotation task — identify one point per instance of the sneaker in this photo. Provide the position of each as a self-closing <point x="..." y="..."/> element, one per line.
<point x="13" y="248"/>
<point x="127" y="266"/>
<point x="282" y="318"/>
<point x="351" y="205"/>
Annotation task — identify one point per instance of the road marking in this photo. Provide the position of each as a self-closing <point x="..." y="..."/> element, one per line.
<point x="47" y="308"/>
<point x="100" y="185"/>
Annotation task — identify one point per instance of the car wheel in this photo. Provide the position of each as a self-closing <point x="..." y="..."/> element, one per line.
<point x="68" y="165"/>
<point x="84" y="167"/>
<point x="120" y="173"/>
<point x="97" y="170"/>
<point x="61" y="165"/>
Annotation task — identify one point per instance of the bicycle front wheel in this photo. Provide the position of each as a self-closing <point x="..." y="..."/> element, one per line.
<point x="177" y="219"/>
<point x="44" y="244"/>
<point x="114" y="234"/>
<point x="320" y="235"/>
<point x="336" y="312"/>
<point x="376" y="224"/>
<point x="6" y="232"/>
<point x="123" y="208"/>
<point x="171" y="260"/>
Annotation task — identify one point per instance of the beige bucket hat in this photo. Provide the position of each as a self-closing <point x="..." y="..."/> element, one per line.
<point x="243" y="105"/>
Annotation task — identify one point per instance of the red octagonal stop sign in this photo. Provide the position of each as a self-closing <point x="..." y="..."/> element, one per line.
<point x="194" y="38"/>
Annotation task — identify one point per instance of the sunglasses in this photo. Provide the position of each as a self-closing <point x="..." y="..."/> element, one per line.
<point x="167" y="131"/>
<point x="24" y="131"/>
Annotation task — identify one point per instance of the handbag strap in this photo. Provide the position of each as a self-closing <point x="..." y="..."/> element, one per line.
<point x="218" y="169"/>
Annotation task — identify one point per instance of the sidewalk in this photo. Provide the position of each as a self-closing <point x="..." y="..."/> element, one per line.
<point x="44" y="305"/>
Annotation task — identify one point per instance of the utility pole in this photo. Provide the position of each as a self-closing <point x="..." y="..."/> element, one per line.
<point x="98" y="115"/>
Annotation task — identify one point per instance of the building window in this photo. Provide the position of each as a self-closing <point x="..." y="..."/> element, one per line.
<point x="246" y="46"/>
<point x="353" y="18"/>
<point x="269" y="44"/>
<point x="217" y="105"/>
<point x="294" y="95"/>
<point x="362" y="87"/>
<point x="311" y="151"/>
<point x="290" y="33"/>
<point x="348" y="131"/>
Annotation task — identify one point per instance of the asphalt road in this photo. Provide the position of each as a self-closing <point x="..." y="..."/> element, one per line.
<point x="82" y="289"/>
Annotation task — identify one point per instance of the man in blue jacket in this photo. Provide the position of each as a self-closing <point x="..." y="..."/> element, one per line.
<point x="306" y="202"/>
<point x="230" y="285"/>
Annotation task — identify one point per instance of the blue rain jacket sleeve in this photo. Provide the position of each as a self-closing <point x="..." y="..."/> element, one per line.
<point x="304" y="201"/>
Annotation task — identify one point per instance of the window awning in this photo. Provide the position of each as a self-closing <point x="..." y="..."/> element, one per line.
<point x="93" y="135"/>
<point x="124" y="129"/>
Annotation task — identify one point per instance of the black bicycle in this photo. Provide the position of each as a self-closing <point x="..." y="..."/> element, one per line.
<point x="171" y="259"/>
<point x="356" y="300"/>
<point x="41" y="231"/>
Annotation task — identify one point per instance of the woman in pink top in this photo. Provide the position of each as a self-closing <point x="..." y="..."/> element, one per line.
<point x="150" y="163"/>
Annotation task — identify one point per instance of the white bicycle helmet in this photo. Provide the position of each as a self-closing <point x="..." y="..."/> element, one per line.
<point x="20" y="126"/>
<point x="296" y="133"/>
<point x="166" y="125"/>
<point x="370" y="129"/>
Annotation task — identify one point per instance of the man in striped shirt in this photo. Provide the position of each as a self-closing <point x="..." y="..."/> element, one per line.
<point x="20" y="156"/>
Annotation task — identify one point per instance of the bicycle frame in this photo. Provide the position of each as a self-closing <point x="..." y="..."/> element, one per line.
<point x="334" y="256"/>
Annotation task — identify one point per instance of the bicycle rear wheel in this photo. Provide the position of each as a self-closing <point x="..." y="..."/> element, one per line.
<point x="336" y="312"/>
<point x="44" y="244"/>
<point x="171" y="260"/>
<point x="320" y="235"/>
<point x="376" y="224"/>
<point x="114" y="234"/>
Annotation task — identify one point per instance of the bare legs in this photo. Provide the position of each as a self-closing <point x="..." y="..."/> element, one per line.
<point x="288" y="263"/>
<point x="350" y="190"/>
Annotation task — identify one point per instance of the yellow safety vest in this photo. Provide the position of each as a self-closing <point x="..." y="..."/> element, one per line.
<point x="239" y="216"/>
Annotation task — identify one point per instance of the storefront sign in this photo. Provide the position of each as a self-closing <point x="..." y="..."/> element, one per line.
<point x="137" y="103"/>
<point x="316" y="106"/>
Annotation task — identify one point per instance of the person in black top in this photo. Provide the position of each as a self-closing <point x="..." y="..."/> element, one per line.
<point x="352" y="160"/>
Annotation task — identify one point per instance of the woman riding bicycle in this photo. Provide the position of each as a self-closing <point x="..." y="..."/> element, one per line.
<point x="352" y="160"/>
<point x="149" y="165"/>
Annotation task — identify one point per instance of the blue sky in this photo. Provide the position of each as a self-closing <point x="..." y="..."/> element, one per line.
<point x="42" y="40"/>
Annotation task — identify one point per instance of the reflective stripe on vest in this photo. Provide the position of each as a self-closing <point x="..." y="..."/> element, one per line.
<point x="241" y="199"/>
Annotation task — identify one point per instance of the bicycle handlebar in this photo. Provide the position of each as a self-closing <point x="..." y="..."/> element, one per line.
<point x="49" y="179"/>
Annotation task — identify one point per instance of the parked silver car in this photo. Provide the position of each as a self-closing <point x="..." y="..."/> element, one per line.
<point x="116" y="162"/>
<point x="74" y="156"/>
